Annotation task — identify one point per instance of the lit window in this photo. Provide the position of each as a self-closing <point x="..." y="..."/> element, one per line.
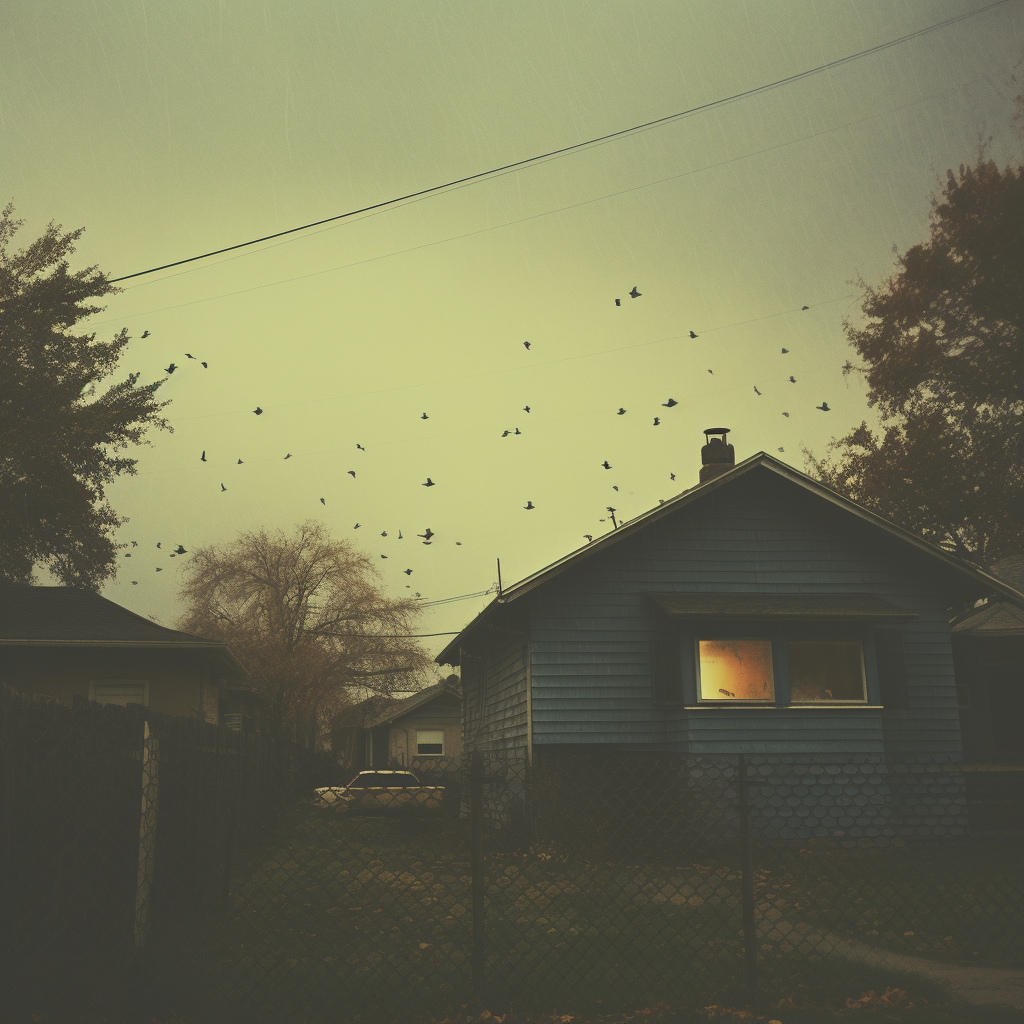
<point x="429" y="741"/>
<point x="825" y="670"/>
<point x="736" y="670"/>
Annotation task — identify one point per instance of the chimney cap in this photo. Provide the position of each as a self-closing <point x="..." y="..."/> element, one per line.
<point x="716" y="430"/>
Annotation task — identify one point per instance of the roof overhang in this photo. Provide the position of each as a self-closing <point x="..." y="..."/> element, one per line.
<point x="781" y="606"/>
<point x="222" y="650"/>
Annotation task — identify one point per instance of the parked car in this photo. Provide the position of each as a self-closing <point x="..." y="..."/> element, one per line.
<point x="382" y="793"/>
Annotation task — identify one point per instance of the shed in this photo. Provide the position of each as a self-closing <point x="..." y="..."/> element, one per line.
<point x="758" y="612"/>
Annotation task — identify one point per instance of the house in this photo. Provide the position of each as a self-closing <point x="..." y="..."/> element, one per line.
<point x="758" y="612"/>
<point x="380" y="732"/>
<point x="68" y="643"/>
<point x="988" y="651"/>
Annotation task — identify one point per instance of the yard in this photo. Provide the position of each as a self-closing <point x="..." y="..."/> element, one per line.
<point x="335" y="915"/>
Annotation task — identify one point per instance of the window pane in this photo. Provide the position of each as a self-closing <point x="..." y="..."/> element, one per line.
<point x="824" y="670"/>
<point x="736" y="670"/>
<point x="429" y="741"/>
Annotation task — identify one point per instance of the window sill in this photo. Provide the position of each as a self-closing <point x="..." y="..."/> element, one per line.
<point x="781" y="707"/>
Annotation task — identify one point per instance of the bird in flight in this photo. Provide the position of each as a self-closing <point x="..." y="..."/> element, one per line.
<point x="672" y="475"/>
<point x="529" y="506"/>
<point x="805" y="307"/>
<point x="145" y="334"/>
<point x="205" y="366"/>
<point x="692" y="335"/>
<point x="158" y="543"/>
<point x="127" y="554"/>
<point x="507" y="432"/>
<point x="239" y="463"/>
<point x="135" y="583"/>
<point x="786" y="414"/>
<point x="526" y="408"/>
<point x="356" y="527"/>
<point x="202" y="458"/>
<point x="188" y="355"/>
<point x="171" y="368"/>
<point x="606" y="464"/>
<point x="785" y="350"/>
<point x="634" y="294"/>
<point x="792" y="379"/>
<point x="782" y="449"/>
<point x="618" y="302"/>
<point x="615" y="487"/>
<point x="518" y="431"/>
<point x="179" y="550"/>
<point x="400" y="535"/>
<point x="588" y="536"/>
<point x="621" y="412"/>
<point x="615" y="525"/>
<point x="384" y="533"/>
<point x="383" y="556"/>
<point x="288" y="456"/>
<point x="429" y="483"/>
<point x="360" y="447"/>
<point x="322" y="502"/>
<point x="352" y="473"/>
<point x="424" y="417"/>
<point x="408" y="572"/>
<point x="258" y="411"/>
<point x="222" y="488"/>
<point x="823" y="407"/>
<point x="756" y="392"/>
<point x="670" y="403"/>
<point x="159" y="569"/>
<point x="711" y="371"/>
<point x="426" y="536"/>
<point x="657" y="422"/>
<point x="526" y="345"/>
<point x="135" y="543"/>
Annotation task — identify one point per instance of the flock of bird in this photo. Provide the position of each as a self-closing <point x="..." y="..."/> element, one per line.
<point x="428" y="535"/>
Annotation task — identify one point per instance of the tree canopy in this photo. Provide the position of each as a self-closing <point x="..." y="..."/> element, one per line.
<point x="62" y="440"/>
<point x="943" y="352"/>
<point x="306" y="615"/>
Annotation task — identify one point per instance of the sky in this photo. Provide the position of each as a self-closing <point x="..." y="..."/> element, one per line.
<point x="168" y="130"/>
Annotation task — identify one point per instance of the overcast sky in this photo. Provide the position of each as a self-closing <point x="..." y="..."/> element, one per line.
<point x="171" y="129"/>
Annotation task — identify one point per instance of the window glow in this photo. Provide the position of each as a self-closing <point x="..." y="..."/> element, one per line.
<point x="825" y="670"/>
<point x="429" y="741"/>
<point x="736" y="670"/>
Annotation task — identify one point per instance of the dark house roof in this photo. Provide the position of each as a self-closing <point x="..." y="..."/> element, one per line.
<point x="760" y="462"/>
<point x="68" y="617"/>
<point x="1000" y="618"/>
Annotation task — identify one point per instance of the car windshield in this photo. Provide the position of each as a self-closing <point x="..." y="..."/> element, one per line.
<point x="387" y="779"/>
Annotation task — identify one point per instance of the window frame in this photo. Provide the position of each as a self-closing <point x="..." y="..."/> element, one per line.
<point x="439" y="753"/>
<point x="123" y="683"/>
<point x="778" y="632"/>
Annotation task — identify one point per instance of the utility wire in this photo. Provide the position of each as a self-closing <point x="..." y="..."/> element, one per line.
<point x="565" y="150"/>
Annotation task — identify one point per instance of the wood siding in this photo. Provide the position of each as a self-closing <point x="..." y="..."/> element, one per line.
<point x="591" y="631"/>
<point x="494" y="694"/>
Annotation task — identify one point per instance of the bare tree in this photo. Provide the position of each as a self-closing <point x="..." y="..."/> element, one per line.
<point x="307" y="617"/>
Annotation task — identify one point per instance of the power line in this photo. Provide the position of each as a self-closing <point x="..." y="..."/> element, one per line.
<point x="565" y="150"/>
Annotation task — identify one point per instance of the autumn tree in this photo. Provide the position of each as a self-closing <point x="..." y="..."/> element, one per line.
<point x="943" y="357"/>
<point x="306" y="615"/>
<point x="64" y="425"/>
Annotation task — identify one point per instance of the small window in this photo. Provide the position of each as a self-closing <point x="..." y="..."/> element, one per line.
<point x="825" y="670"/>
<point x="429" y="741"/>
<point x="736" y="670"/>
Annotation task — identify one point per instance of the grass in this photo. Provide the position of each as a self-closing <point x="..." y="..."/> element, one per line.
<point x="332" y="915"/>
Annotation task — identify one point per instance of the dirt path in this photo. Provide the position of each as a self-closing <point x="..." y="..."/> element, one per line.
<point x="982" y="986"/>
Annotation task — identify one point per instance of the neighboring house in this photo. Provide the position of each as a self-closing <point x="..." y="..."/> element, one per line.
<point x="379" y="732"/>
<point x="69" y="643"/>
<point x="758" y="612"/>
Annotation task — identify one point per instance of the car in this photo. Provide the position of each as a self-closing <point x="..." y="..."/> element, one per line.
<point x="382" y="792"/>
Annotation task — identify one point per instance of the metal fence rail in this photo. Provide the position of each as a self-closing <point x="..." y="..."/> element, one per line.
<point x="157" y="866"/>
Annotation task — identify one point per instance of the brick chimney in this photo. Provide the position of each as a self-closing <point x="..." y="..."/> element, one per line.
<point x="716" y="456"/>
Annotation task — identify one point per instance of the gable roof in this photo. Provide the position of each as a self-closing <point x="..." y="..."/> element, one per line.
<point x="762" y="461"/>
<point x="421" y="697"/>
<point x="68" y="617"/>
<point x="998" y="618"/>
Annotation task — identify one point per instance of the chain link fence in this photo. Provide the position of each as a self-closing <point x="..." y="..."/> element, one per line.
<point x="167" y="868"/>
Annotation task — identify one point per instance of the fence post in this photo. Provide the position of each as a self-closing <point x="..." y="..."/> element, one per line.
<point x="747" y="885"/>
<point x="150" y="779"/>
<point x="476" y="856"/>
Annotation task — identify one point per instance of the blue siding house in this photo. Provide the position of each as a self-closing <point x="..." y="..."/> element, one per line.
<point x="758" y="612"/>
